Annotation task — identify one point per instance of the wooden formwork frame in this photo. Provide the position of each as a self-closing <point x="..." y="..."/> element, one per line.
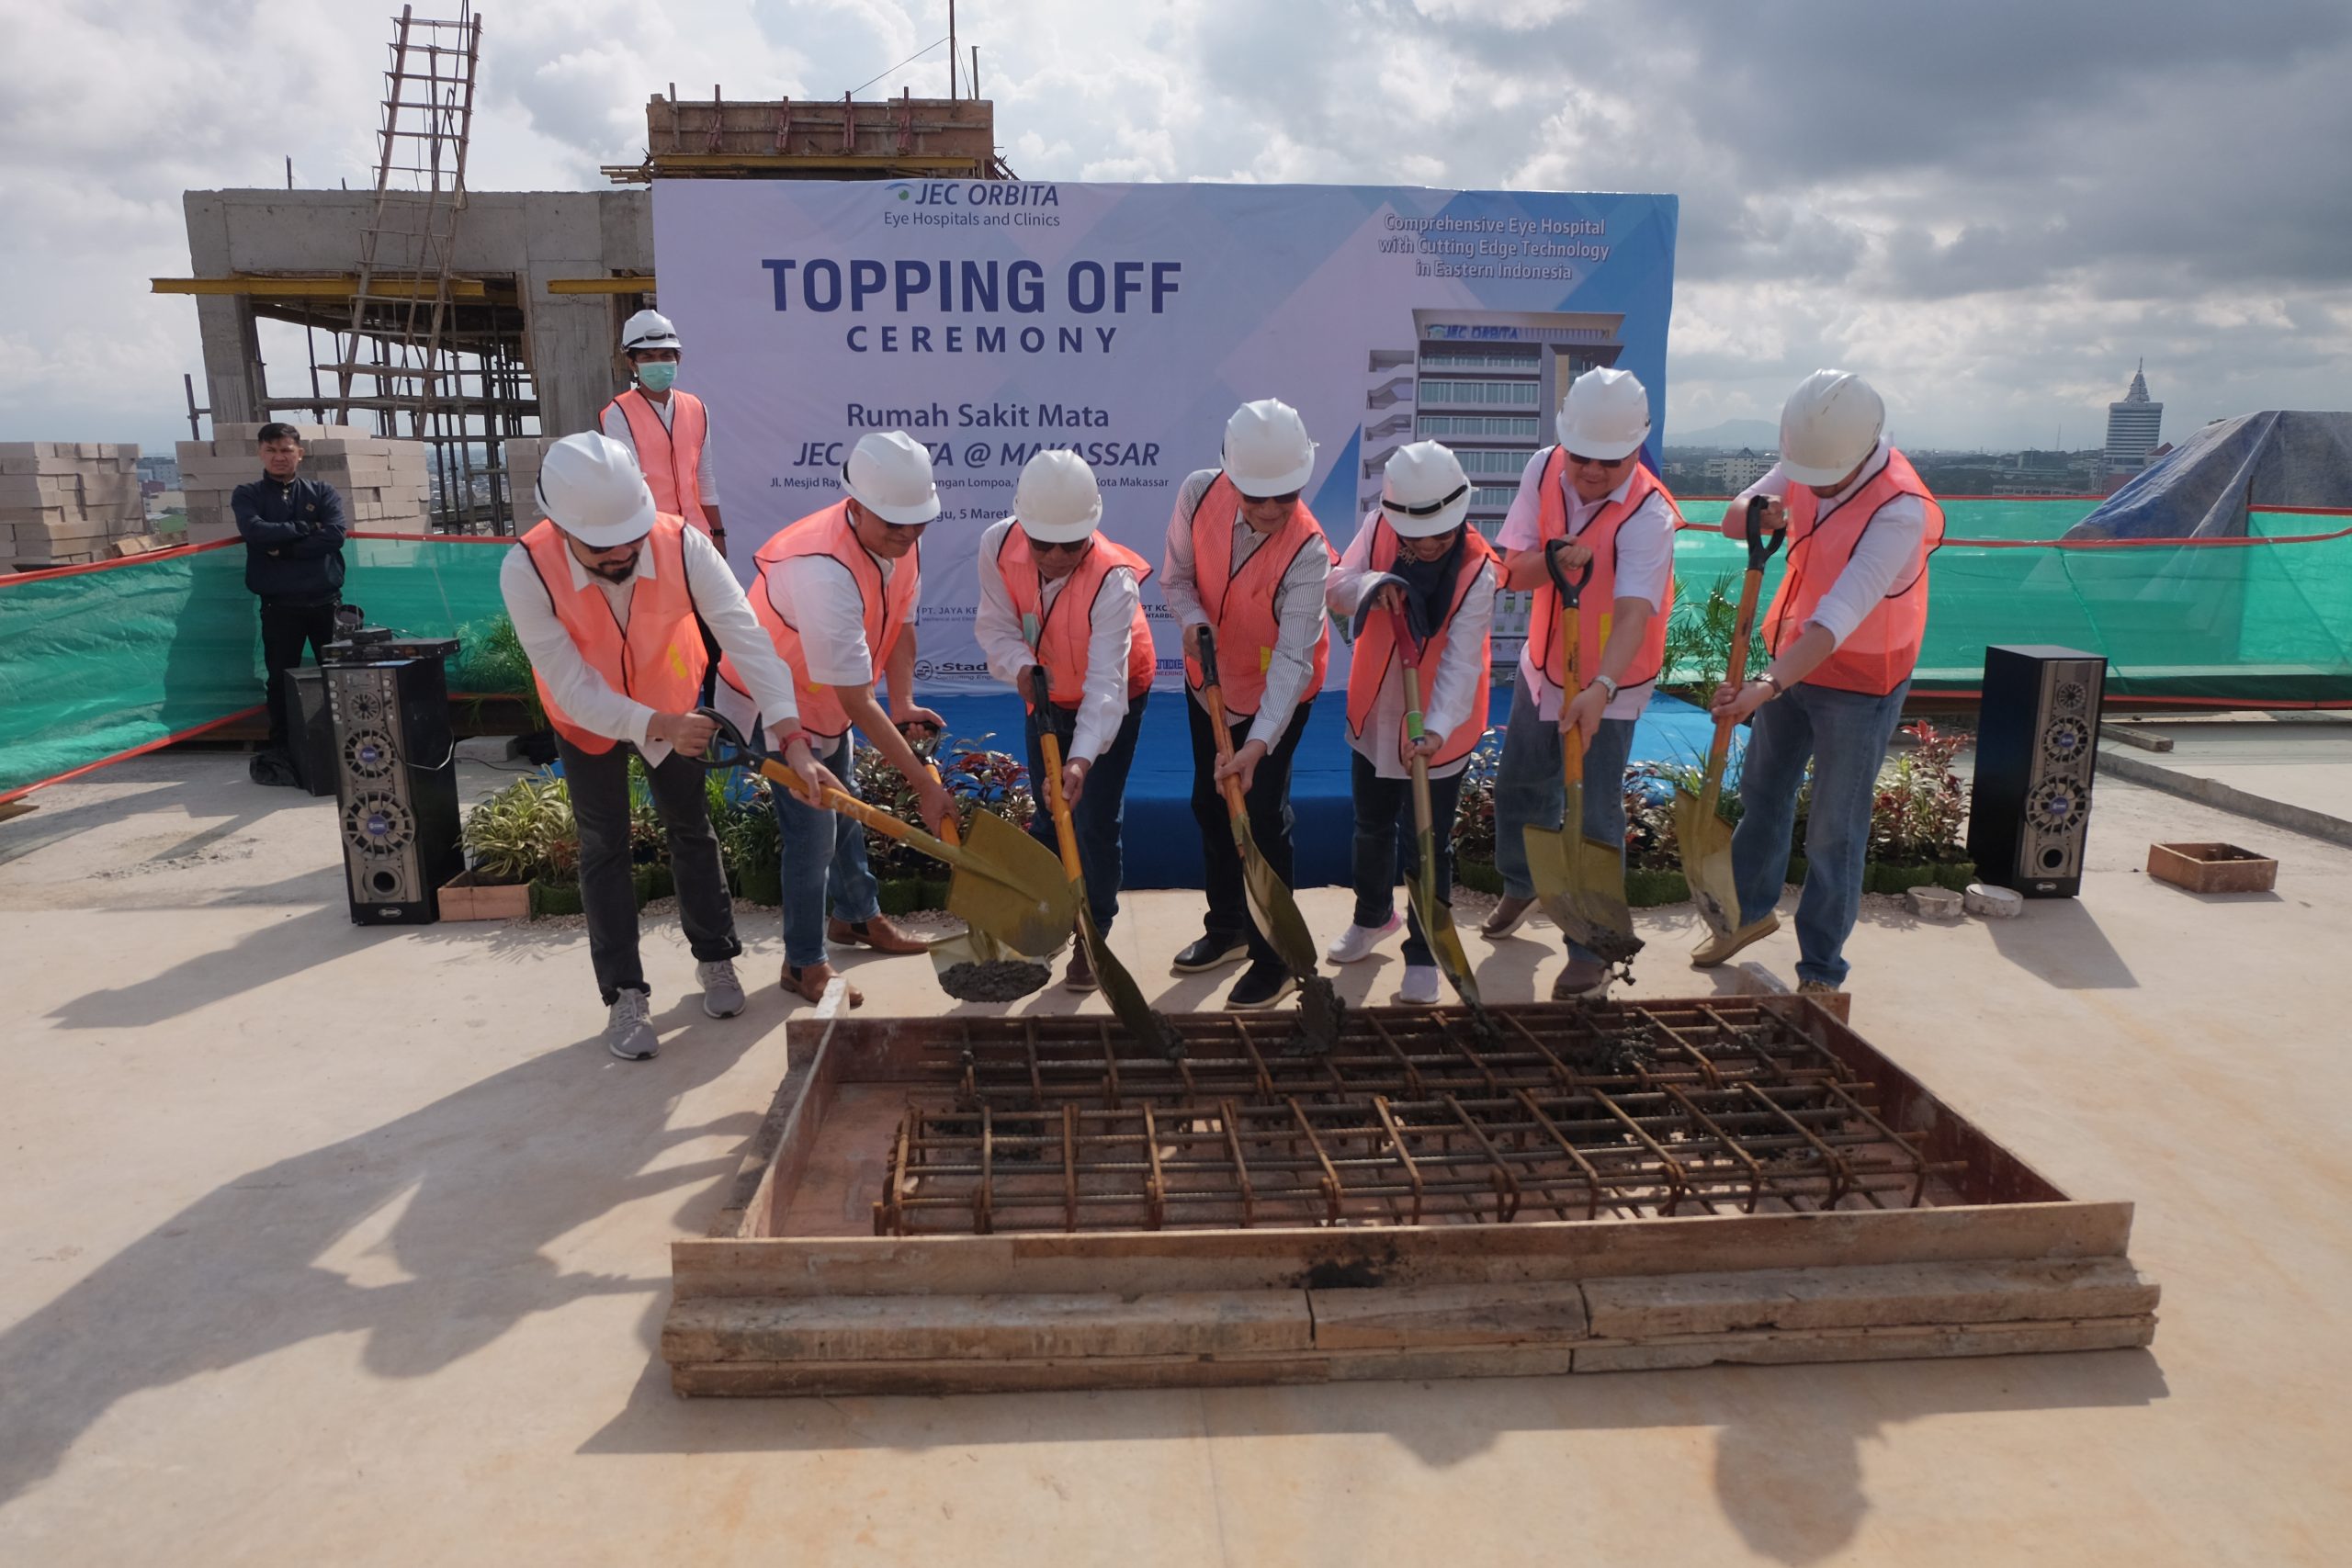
<point x="2020" y="1267"/>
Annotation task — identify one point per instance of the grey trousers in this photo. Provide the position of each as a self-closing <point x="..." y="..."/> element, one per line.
<point x="599" y="786"/>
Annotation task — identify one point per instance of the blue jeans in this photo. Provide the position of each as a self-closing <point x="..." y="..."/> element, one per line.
<point x="1097" y="817"/>
<point x="823" y="852"/>
<point x="1389" y="839"/>
<point x="1529" y="792"/>
<point x="1844" y="735"/>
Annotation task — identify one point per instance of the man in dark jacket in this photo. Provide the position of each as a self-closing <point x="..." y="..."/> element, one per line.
<point x="293" y="531"/>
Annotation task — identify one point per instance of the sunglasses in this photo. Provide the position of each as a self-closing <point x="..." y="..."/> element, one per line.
<point x="1066" y="547"/>
<point x="1283" y="500"/>
<point x="1612" y="463"/>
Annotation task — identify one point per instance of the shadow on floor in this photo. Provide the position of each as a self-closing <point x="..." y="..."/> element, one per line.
<point x="2057" y="940"/>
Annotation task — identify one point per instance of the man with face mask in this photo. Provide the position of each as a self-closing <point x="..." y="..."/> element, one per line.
<point x="604" y="594"/>
<point x="668" y="430"/>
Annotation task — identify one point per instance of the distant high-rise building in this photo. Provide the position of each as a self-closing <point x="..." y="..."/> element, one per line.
<point x="2133" y="427"/>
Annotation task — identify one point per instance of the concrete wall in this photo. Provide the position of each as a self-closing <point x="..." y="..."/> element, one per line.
<point x="535" y="236"/>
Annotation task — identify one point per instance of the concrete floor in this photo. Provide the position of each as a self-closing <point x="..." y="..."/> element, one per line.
<point x="321" y="1244"/>
<point x="2304" y="763"/>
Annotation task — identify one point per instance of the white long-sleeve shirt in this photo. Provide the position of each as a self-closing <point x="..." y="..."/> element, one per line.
<point x="818" y="597"/>
<point x="1882" y="556"/>
<point x="1645" y="556"/>
<point x="583" y="694"/>
<point x="1298" y="606"/>
<point x="615" y="424"/>
<point x="1110" y="637"/>
<point x="1446" y="698"/>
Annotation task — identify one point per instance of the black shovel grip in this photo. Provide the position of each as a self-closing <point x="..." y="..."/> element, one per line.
<point x="1208" y="659"/>
<point x="1571" y="589"/>
<point x="729" y="748"/>
<point x="1759" y="552"/>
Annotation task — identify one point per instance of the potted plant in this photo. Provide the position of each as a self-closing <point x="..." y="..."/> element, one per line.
<point x="748" y="840"/>
<point x="1916" y="819"/>
<point x="492" y="662"/>
<point x="1473" y="819"/>
<point x="980" y="777"/>
<point x="523" y="853"/>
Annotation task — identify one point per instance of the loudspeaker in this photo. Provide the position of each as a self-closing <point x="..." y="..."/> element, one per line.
<point x="309" y="733"/>
<point x="396" y="787"/>
<point x="2037" y="745"/>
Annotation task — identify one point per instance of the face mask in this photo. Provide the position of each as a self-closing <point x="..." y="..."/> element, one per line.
<point x="657" y="374"/>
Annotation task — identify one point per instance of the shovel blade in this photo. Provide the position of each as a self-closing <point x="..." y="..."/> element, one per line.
<point x="1445" y="941"/>
<point x="1581" y="883"/>
<point x="1144" y="1024"/>
<point x="1706" y="840"/>
<point x="972" y="967"/>
<point x="1274" y="910"/>
<point x="1016" y="893"/>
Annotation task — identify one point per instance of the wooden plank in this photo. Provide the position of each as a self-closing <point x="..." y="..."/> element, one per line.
<point x="834" y="1379"/>
<point x="1423" y="1316"/>
<point x="1870" y="1344"/>
<point x="1646" y="1309"/>
<point x="1134" y="1262"/>
<point x="920" y="1328"/>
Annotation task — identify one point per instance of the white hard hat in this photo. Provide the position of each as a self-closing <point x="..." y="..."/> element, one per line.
<point x="1830" y="423"/>
<point x="590" y="487"/>
<point x="890" y="475"/>
<point x="648" y="329"/>
<point x="1423" y="491"/>
<point x="1266" y="449"/>
<point x="1059" y="502"/>
<point x="1606" y="415"/>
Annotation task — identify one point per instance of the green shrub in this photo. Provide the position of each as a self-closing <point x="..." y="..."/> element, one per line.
<point x="524" y="833"/>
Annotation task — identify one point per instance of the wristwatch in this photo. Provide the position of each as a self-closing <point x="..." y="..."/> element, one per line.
<point x="1605" y="683"/>
<point x="1769" y="680"/>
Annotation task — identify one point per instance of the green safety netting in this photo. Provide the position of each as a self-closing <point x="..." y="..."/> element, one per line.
<point x="95" y="663"/>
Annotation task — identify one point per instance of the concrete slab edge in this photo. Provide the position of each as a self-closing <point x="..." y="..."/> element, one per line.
<point x="2213" y="792"/>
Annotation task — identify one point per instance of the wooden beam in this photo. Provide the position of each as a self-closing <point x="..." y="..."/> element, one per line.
<point x="322" y="285"/>
<point x="601" y="285"/>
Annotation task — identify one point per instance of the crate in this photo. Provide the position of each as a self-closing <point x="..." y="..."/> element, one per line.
<point x="2213" y="868"/>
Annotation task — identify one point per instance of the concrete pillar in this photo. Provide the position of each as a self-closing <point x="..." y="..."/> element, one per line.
<point x="233" y="367"/>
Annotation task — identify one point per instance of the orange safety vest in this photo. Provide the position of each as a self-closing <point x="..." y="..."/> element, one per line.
<point x="658" y="660"/>
<point x="1241" y="604"/>
<point x="1060" y="641"/>
<point x="1599" y="535"/>
<point x="669" y="455"/>
<point x="1884" y="648"/>
<point x="1376" y="648"/>
<point x="828" y="533"/>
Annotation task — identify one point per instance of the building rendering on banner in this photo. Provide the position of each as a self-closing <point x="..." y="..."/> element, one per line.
<point x="2135" y="426"/>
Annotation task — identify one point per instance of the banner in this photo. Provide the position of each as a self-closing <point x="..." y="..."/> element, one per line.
<point x="993" y="319"/>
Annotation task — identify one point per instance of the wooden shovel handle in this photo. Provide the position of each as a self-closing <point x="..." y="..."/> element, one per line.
<point x="1213" y="699"/>
<point x="1571" y="738"/>
<point x="1056" y="802"/>
<point x="859" y="812"/>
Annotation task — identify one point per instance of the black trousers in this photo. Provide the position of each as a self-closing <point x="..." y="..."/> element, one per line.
<point x="285" y="630"/>
<point x="1101" y="813"/>
<point x="1389" y="839"/>
<point x="599" y="785"/>
<point x="1268" y="802"/>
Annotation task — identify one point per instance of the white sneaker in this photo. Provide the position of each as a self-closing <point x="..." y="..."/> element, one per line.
<point x="1356" y="943"/>
<point x="628" y="1032"/>
<point x="722" y="993"/>
<point x="1421" y="986"/>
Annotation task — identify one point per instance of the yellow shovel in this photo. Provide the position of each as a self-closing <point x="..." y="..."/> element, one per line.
<point x="1580" y="880"/>
<point x="1704" y="837"/>
<point x="1436" y="911"/>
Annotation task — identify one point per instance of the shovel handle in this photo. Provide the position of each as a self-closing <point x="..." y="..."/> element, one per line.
<point x="1410" y="652"/>
<point x="1050" y="743"/>
<point x="1751" y="587"/>
<point x="1759" y="552"/>
<point x="1213" y="699"/>
<point x="1571" y="738"/>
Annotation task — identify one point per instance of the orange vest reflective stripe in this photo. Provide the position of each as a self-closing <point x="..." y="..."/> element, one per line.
<point x="1240" y="604"/>
<point x="1368" y="669"/>
<point x="658" y="661"/>
<point x="1599" y="594"/>
<point x="1060" y="637"/>
<point x="669" y="455"/>
<point x="828" y="533"/>
<point x="1884" y="648"/>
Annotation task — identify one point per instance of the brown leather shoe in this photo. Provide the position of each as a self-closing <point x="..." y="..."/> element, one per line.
<point x="1080" y="976"/>
<point x="878" y="933"/>
<point x="810" y="984"/>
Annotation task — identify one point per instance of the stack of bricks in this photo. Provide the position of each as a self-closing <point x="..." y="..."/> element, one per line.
<point x="385" y="482"/>
<point x="524" y="454"/>
<point x="65" y="502"/>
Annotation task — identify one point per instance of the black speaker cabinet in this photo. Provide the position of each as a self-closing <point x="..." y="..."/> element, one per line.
<point x="396" y="787"/>
<point x="2037" y="745"/>
<point x="310" y="734"/>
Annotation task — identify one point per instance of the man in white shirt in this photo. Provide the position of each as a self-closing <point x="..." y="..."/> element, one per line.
<point x="1844" y="626"/>
<point x="1246" y="558"/>
<point x="1595" y="507"/>
<point x="1057" y="595"/>
<point x="605" y="593"/>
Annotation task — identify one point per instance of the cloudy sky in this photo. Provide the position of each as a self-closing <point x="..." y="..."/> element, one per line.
<point x="1992" y="207"/>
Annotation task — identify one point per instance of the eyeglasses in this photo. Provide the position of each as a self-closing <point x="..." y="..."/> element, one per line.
<point x="1283" y="500"/>
<point x="1051" y="547"/>
<point x="1612" y="463"/>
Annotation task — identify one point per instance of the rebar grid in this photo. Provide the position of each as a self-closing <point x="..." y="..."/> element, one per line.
<point x="1416" y="1118"/>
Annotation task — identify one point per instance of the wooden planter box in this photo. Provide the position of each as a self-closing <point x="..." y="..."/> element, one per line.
<point x="2213" y="868"/>
<point x="794" y="1293"/>
<point x="463" y="897"/>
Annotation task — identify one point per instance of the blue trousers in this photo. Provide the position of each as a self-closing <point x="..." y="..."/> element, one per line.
<point x="1095" y="822"/>
<point x="1529" y="792"/>
<point x="1389" y="839"/>
<point x="1844" y="735"/>
<point x="824" y="853"/>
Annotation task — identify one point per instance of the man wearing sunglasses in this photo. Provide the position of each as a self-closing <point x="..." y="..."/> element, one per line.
<point x="1245" y="559"/>
<point x="605" y="593"/>
<point x="1056" y="595"/>
<point x="1589" y="501"/>
<point x="837" y="592"/>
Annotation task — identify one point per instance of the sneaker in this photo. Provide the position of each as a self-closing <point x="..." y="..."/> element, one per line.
<point x="1260" y="986"/>
<point x="1356" y="943"/>
<point x="1716" y="949"/>
<point x="1421" y="988"/>
<point x="628" y="1032"/>
<point x="722" y="993"/>
<point x="1080" y="976"/>
<point x="1506" y="918"/>
<point x="1582" y="978"/>
<point x="878" y="933"/>
<point x="1210" y="952"/>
